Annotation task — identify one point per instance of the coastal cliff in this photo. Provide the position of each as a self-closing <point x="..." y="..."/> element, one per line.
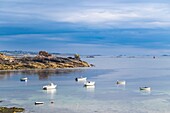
<point x="43" y="60"/>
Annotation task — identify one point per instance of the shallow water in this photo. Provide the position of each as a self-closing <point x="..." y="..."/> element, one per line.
<point x="71" y="97"/>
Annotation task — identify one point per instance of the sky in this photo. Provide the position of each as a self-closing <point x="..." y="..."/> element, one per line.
<point x="112" y="27"/>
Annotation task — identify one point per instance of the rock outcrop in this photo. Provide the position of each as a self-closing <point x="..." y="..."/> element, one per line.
<point x="11" y="110"/>
<point x="43" y="60"/>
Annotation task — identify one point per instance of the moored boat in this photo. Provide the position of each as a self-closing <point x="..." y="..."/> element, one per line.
<point x="81" y="78"/>
<point x="37" y="103"/>
<point x="89" y="83"/>
<point x="24" y="79"/>
<point x="50" y="86"/>
<point x="145" y="88"/>
<point x="121" y="82"/>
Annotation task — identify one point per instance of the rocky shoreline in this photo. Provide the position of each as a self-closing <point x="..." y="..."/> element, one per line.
<point x="43" y="60"/>
<point x="11" y="110"/>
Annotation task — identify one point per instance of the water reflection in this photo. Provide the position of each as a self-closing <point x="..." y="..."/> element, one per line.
<point x="5" y="74"/>
<point x="25" y="82"/>
<point x="120" y="86"/>
<point x="145" y="92"/>
<point x="42" y="74"/>
<point x="51" y="93"/>
<point x="90" y="88"/>
<point x="81" y="82"/>
<point x="45" y="74"/>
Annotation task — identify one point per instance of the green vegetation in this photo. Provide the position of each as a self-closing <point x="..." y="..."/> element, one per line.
<point x="77" y="56"/>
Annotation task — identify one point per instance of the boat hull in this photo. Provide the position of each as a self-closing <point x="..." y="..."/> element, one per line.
<point x="23" y="79"/>
<point x="81" y="79"/>
<point x="48" y="87"/>
<point x="89" y="84"/>
<point x="145" y="88"/>
<point x="121" y="82"/>
<point x="38" y="103"/>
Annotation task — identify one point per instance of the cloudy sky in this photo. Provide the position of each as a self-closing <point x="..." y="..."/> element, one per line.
<point x="86" y="26"/>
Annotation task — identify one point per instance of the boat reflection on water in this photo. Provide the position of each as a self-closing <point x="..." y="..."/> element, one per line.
<point x="51" y="93"/>
<point x="145" y="92"/>
<point x="90" y="88"/>
<point x="120" y="86"/>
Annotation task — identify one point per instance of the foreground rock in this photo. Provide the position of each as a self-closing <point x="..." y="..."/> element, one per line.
<point x="11" y="110"/>
<point x="43" y="60"/>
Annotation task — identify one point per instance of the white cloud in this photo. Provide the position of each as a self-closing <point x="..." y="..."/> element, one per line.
<point x="114" y="14"/>
<point x="58" y="39"/>
<point x="45" y="37"/>
<point x="132" y="15"/>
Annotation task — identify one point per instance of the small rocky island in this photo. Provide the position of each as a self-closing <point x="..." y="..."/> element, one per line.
<point x="43" y="60"/>
<point x="11" y="110"/>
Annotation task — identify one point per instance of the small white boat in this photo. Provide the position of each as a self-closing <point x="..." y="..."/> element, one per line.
<point x="89" y="83"/>
<point x="121" y="82"/>
<point x="37" y="103"/>
<point x="24" y="79"/>
<point x="81" y="79"/>
<point x="50" y="86"/>
<point x="145" y="88"/>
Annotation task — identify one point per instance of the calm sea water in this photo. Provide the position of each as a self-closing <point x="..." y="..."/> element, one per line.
<point x="106" y="97"/>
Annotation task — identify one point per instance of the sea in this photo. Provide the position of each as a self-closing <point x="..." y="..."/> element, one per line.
<point x="105" y="97"/>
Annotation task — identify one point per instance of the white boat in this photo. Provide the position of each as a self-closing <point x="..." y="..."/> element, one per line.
<point x="89" y="83"/>
<point x="24" y="79"/>
<point x="145" y="88"/>
<point x="81" y="79"/>
<point x="37" y="103"/>
<point x="50" y="86"/>
<point x="121" y="82"/>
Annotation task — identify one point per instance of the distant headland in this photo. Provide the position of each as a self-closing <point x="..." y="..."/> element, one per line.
<point x="43" y="60"/>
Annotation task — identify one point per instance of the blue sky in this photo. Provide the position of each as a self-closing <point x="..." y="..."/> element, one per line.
<point x="133" y="27"/>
